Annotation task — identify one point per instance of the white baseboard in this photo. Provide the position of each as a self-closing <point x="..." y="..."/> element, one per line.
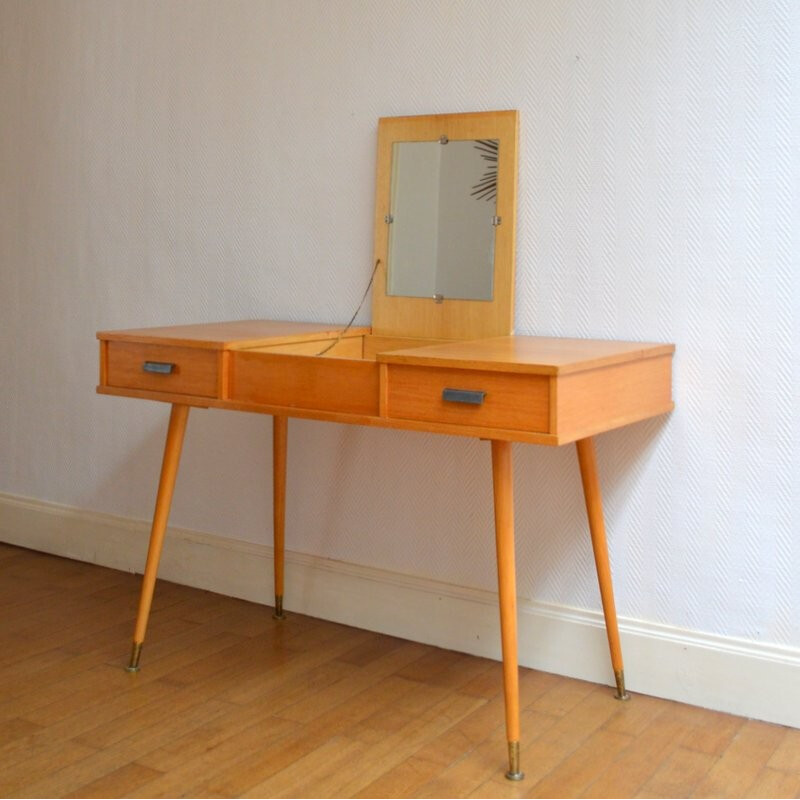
<point x="726" y="674"/>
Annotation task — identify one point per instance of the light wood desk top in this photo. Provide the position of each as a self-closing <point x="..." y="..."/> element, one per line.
<point x="539" y="355"/>
<point x="238" y="334"/>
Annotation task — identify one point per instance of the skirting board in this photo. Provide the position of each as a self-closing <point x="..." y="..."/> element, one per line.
<point x="732" y="675"/>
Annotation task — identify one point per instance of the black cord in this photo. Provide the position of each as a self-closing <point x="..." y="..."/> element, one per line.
<point x="353" y="318"/>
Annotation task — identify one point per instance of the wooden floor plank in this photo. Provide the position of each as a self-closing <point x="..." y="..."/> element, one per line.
<point x="19" y="770"/>
<point x="487" y="720"/>
<point x="312" y="707"/>
<point x="300" y="656"/>
<point x="396" y="747"/>
<point x="486" y="759"/>
<point x="679" y="774"/>
<point x="787" y="755"/>
<point x="403" y="779"/>
<point x="775" y="783"/>
<point x="192" y="777"/>
<point x="15" y="729"/>
<point x="117" y="782"/>
<point x="575" y="772"/>
<point x="563" y="697"/>
<point x="180" y="699"/>
<point x="636" y="717"/>
<point x="74" y="727"/>
<point x="711" y="731"/>
<point x="251" y="769"/>
<point x="626" y="774"/>
<point x="568" y="733"/>
<point x="410" y="706"/>
<point x="181" y="751"/>
<point x="312" y="773"/>
<point x="741" y="763"/>
<point x="103" y="682"/>
<point x="445" y="668"/>
<point x="163" y="728"/>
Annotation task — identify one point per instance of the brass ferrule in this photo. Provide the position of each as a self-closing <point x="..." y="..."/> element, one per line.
<point x="514" y="773"/>
<point x="278" y="613"/>
<point x="619" y="677"/>
<point x="136" y="654"/>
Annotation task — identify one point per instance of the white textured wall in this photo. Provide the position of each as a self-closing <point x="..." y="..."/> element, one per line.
<point x="167" y="162"/>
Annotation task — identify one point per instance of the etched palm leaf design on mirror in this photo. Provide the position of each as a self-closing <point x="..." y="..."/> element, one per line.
<point x="486" y="188"/>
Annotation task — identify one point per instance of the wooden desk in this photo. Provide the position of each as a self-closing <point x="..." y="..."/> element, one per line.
<point x="504" y="389"/>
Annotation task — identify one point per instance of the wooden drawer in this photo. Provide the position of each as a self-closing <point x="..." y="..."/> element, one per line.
<point x="162" y="368"/>
<point x="343" y="385"/>
<point x="510" y="400"/>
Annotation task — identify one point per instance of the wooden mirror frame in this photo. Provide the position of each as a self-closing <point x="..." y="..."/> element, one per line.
<point x="421" y="317"/>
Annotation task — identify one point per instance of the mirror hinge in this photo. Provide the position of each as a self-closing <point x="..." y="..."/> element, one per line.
<point x="388" y="219"/>
<point x="496" y="221"/>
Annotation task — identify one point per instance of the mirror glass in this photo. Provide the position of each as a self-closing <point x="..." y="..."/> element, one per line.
<point x="442" y="219"/>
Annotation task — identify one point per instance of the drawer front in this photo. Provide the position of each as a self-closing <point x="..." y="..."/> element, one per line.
<point x="344" y="385"/>
<point x="161" y="368"/>
<point x="469" y="397"/>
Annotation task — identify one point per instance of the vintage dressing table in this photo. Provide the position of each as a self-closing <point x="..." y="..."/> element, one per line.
<point x="439" y="357"/>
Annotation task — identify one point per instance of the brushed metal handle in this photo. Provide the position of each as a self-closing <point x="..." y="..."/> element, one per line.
<point x="158" y="367"/>
<point x="469" y="396"/>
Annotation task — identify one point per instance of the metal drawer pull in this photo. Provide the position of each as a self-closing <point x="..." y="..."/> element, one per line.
<point x="159" y="367"/>
<point x="463" y="396"/>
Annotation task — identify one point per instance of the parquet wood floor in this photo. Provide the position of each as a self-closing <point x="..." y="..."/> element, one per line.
<point x="230" y="703"/>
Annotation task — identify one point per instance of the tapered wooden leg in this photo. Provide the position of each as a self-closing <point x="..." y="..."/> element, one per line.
<point x="169" y="471"/>
<point x="506" y="578"/>
<point x="279" y="445"/>
<point x="594" y="510"/>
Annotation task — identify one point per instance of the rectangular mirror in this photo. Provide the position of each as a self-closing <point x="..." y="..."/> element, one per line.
<point x="442" y="219"/>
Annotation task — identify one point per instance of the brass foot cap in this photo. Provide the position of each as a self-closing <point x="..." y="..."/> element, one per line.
<point x="278" y="613"/>
<point x="514" y="772"/>
<point x="619" y="679"/>
<point x="136" y="654"/>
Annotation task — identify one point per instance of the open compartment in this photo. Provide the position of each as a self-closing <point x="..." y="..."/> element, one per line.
<point x="333" y="374"/>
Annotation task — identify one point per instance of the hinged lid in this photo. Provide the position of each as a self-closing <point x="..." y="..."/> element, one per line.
<point x="437" y="316"/>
